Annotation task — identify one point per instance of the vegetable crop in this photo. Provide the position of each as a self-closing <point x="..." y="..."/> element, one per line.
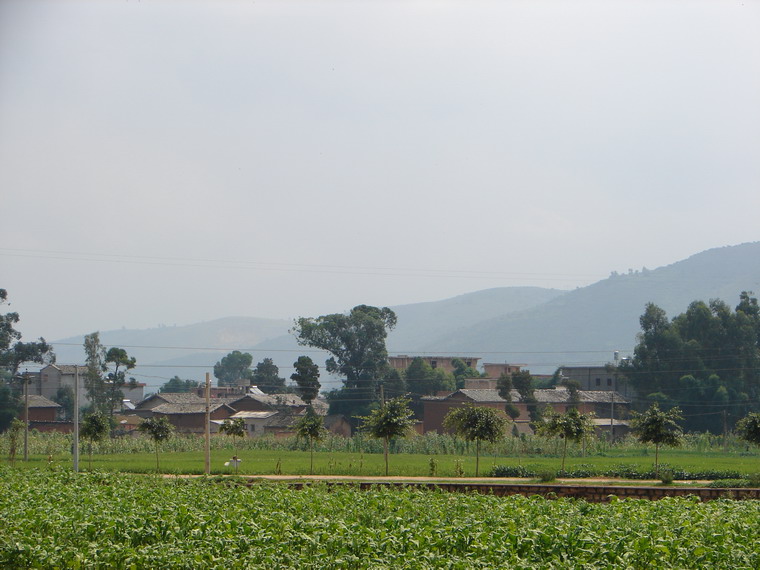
<point x="60" y="519"/>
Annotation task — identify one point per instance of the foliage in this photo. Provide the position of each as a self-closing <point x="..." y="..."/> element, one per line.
<point x="462" y="372"/>
<point x="266" y="376"/>
<point x="356" y="342"/>
<point x="235" y="428"/>
<point x="234" y="367"/>
<point x="570" y="426"/>
<point x="106" y="374"/>
<point x="748" y="428"/>
<point x="158" y="429"/>
<point x="524" y="384"/>
<point x="392" y="419"/>
<point x="10" y="406"/>
<point x="64" y="397"/>
<point x="95" y="427"/>
<point x="13" y="352"/>
<point x="177" y="385"/>
<point x="424" y="380"/>
<point x="306" y="377"/>
<point x="705" y="361"/>
<point x="504" y="386"/>
<point x="476" y="423"/>
<point x="14" y="430"/>
<point x="658" y="427"/>
<point x="149" y="522"/>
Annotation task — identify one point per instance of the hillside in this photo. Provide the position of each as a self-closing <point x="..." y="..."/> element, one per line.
<point x="586" y="325"/>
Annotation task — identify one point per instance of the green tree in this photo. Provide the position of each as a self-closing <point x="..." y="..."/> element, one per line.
<point x="524" y="384"/>
<point x="392" y="419"/>
<point x="266" y="376"/>
<point x="570" y="426"/>
<point x="158" y="429"/>
<point x="424" y="380"/>
<point x="234" y="367"/>
<point x="94" y="379"/>
<point x="177" y="386"/>
<point x="657" y="427"/>
<point x="462" y="372"/>
<point x="233" y="427"/>
<point x="748" y="428"/>
<point x="306" y="377"/>
<point x="504" y="386"/>
<point x="10" y="407"/>
<point x="476" y="423"/>
<point x="95" y="427"/>
<point x="64" y="397"/>
<point x="356" y="342"/>
<point x="311" y="427"/>
<point x="14" y="431"/>
<point x="117" y="363"/>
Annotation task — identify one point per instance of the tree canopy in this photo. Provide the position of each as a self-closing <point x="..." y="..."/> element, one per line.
<point x="234" y="367"/>
<point x="658" y="427"/>
<point x="748" y="428"/>
<point x="392" y="419"/>
<point x="306" y="377"/>
<point x="13" y="352"/>
<point x="424" y="380"/>
<point x="266" y="376"/>
<point x="570" y="426"/>
<point x="705" y="360"/>
<point x="476" y="423"/>
<point x="177" y="385"/>
<point x="106" y="374"/>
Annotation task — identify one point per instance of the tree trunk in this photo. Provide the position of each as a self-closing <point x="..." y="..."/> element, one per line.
<point x="158" y="470"/>
<point x="385" y="453"/>
<point x="311" y="456"/>
<point x="564" y="454"/>
<point x="477" y="457"/>
<point x="656" y="459"/>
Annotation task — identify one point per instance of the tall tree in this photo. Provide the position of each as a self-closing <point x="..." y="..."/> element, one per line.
<point x="462" y="372"/>
<point x="117" y="363"/>
<point x="64" y="397"/>
<point x="233" y="368"/>
<point x="306" y="377"/>
<point x="476" y="423"/>
<point x="106" y="374"/>
<point x="13" y="352"/>
<point x="658" y="427"/>
<point x="504" y="387"/>
<point x="356" y="342"/>
<point x="424" y="380"/>
<point x="392" y="419"/>
<point x="266" y="376"/>
<point x="748" y="428"/>
<point x="570" y="426"/>
<point x="524" y="384"/>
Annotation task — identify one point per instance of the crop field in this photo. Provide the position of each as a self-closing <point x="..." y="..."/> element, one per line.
<point x="59" y="519"/>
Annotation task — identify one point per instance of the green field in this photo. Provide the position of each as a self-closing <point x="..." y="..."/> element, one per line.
<point x="54" y="519"/>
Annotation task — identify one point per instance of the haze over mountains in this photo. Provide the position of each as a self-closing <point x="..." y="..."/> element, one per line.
<point x="540" y="328"/>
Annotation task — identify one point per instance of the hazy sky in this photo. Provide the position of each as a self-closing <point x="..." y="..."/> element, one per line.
<point x="178" y="161"/>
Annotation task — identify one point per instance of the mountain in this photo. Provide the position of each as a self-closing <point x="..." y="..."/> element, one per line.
<point x="586" y="325"/>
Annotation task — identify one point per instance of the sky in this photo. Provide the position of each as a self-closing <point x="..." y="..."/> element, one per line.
<point x="170" y="162"/>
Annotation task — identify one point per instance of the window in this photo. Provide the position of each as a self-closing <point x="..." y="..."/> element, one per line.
<point x="598" y="381"/>
<point x="433" y="364"/>
<point x="469" y="363"/>
<point x="609" y="381"/>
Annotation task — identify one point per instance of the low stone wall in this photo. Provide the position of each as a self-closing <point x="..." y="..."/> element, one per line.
<point x="591" y="493"/>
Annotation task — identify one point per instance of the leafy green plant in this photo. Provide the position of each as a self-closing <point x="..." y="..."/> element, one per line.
<point x="158" y="429"/>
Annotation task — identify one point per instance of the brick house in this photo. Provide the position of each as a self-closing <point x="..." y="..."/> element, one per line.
<point x="191" y="417"/>
<point x="402" y="361"/>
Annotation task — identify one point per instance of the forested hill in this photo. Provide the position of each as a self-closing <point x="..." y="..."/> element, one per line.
<point x="586" y="325"/>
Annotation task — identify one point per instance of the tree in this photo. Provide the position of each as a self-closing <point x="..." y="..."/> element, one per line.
<point x="424" y="380"/>
<point x="504" y="387"/>
<point x="523" y="383"/>
<point x="116" y="379"/>
<point x="462" y="372"/>
<point x="748" y="428"/>
<point x="306" y="377"/>
<point x="311" y="427"/>
<point x="570" y="426"/>
<point x="95" y="427"/>
<point x="266" y="376"/>
<point x="10" y="406"/>
<point x="158" y="429"/>
<point x="356" y="342"/>
<point x="106" y="374"/>
<point x="64" y="397"/>
<point x="658" y="427"/>
<point x="392" y="419"/>
<point x="234" y="367"/>
<point x="233" y="427"/>
<point x="177" y="385"/>
<point x="476" y="423"/>
<point x="14" y="431"/>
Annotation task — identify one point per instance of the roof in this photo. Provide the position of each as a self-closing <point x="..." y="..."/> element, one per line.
<point x="41" y="402"/>
<point x="68" y="368"/>
<point x="174" y="398"/>
<point x="605" y="422"/>
<point x="549" y="396"/>
<point x="254" y="415"/>
<point x="188" y="408"/>
<point x="269" y="399"/>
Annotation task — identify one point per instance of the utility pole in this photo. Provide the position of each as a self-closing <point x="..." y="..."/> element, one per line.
<point x="75" y="450"/>
<point x="26" y="415"/>
<point x="208" y="423"/>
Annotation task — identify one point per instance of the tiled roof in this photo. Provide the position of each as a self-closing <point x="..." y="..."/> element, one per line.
<point x="550" y="396"/>
<point x="41" y="402"/>
<point x="69" y="368"/>
<point x="187" y="408"/>
<point x="254" y="415"/>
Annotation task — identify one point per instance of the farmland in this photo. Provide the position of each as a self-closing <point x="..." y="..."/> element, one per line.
<point x="59" y="519"/>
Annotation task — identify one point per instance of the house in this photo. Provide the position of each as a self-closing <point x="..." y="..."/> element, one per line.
<point x="495" y="370"/>
<point x="145" y="407"/>
<point x="52" y="377"/>
<point x="402" y="361"/>
<point x="40" y="409"/>
<point x="435" y="408"/>
<point x="605" y="378"/>
<point x="191" y="417"/>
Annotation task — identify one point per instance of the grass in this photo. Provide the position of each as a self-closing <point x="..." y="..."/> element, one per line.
<point x="268" y="462"/>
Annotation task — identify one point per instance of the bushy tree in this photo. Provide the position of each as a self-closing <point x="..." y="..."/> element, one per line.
<point x="355" y="340"/>
<point x="234" y="367"/>
<point x="524" y="384"/>
<point x="570" y="426"/>
<point x="504" y="387"/>
<point x="306" y="377"/>
<point x="95" y="427"/>
<point x="233" y="427"/>
<point x="392" y="419"/>
<point x="424" y="380"/>
<point x="64" y="397"/>
<point x="748" y="428"/>
<point x="476" y="423"/>
<point x="13" y="352"/>
<point x="159" y="429"/>
<point x="658" y="427"/>
<point x="266" y="375"/>
<point x="310" y="427"/>
<point x="462" y="372"/>
<point x="10" y="406"/>
<point x="177" y="386"/>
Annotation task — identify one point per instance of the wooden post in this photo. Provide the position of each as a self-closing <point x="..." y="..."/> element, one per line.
<point x="208" y="423"/>
<point x="75" y="450"/>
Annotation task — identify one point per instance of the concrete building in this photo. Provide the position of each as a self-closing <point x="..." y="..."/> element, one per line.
<point x="402" y="361"/>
